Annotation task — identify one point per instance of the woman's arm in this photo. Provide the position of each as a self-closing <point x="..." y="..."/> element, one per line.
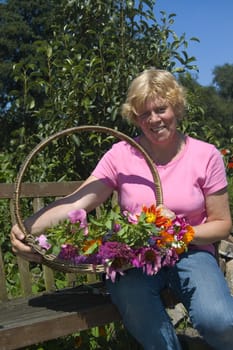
<point x="219" y="224"/>
<point x="88" y="196"/>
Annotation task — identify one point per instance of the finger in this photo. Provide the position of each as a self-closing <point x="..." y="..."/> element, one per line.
<point x="25" y="251"/>
<point x="17" y="233"/>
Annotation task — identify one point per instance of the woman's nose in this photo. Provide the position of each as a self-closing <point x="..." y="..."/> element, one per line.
<point x="154" y="116"/>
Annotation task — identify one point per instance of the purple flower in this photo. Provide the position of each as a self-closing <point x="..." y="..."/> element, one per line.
<point x="149" y="259"/>
<point x="79" y="215"/>
<point x="67" y="252"/>
<point x="170" y="258"/>
<point x="112" y="250"/>
<point x="43" y="242"/>
<point x="115" y="256"/>
<point x="116" y="227"/>
<point x="112" y="273"/>
<point x="87" y="259"/>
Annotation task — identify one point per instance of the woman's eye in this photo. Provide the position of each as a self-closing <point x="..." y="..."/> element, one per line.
<point x="144" y="115"/>
<point x="157" y="110"/>
<point x="161" y="110"/>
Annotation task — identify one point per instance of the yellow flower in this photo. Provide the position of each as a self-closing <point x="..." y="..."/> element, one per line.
<point x="151" y="213"/>
<point x="150" y="217"/>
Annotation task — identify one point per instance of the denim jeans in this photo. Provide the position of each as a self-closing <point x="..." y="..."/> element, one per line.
<point x="200" y="285"/>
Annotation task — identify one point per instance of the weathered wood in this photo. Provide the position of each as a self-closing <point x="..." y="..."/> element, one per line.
<point x="25" y="322"/>
<point x="3" y="290"/>
<point x="42" y="189"/>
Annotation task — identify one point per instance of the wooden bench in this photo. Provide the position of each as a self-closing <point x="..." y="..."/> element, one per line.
<point x="31" y="319"/>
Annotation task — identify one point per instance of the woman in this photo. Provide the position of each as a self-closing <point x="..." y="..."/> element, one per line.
<point x="194" y="186"/>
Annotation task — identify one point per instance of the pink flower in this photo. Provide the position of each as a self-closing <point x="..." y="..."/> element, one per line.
<point x="132" y="218"/>
<point x="43" y="242"/>
<point x="178" y="227"/>
<point x="149" y="259"/>
<point x="79" y="215"/>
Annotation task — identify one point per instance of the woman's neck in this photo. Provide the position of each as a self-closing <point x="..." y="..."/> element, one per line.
<point x="163" y="153"/>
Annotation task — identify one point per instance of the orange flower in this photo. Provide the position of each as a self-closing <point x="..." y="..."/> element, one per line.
<point x="90" y="242"/>
<point x="165" y="238"/>
<point x="180" y="250"/>
<point x="155" y="215"/>
<point x="162" y="221"/>
<point x="151" y="213"/>
<point x="188" y="236"/>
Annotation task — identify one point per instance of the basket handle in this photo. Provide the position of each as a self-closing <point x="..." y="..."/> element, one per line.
<point x="65" y="132"/>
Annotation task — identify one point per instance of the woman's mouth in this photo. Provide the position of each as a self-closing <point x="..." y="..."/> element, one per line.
<point x="157" y="129"/>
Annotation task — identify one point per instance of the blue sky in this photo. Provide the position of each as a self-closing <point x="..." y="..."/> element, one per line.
<point x="209" y="20"/>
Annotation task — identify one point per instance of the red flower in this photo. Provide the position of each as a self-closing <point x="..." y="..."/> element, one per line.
<point x="225" y="151"/>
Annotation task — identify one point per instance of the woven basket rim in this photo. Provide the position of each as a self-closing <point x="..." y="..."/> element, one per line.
<point x="49" y="259"/>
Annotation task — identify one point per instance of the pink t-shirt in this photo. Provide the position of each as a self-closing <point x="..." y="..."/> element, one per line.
<point x="197" y="171"/>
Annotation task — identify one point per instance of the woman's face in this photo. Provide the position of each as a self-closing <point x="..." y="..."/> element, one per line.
<point x="157" y="121"/>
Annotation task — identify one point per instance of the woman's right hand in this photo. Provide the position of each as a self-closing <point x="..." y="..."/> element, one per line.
<point x="20" y="248"/>
<point x="89" y="195"/>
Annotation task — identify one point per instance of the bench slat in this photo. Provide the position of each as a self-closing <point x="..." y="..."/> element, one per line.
<point x="3" y="290"/>
<point x="42" y="189"/>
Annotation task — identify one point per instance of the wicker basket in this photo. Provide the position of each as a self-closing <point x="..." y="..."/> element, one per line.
<point x="50" y="259"/>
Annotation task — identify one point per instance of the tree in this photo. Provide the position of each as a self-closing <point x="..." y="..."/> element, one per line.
<point x="81" y="73"/>
<point x="21" y="25"/>
<point x="209" y="115"/>
<point x="223" y="79"/>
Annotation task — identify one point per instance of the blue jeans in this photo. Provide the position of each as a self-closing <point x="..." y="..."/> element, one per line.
<point x="200" y="285"/>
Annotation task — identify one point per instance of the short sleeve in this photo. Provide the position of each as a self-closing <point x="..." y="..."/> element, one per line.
<point x="105" y="170"/>
<point x="215" y="179"/>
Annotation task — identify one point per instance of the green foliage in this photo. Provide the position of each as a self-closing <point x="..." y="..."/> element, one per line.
<point x="230" y="191"/>
<point x="79" y="72"/>
<point x="223" y="79"/>
<point x="109" y="337"/>
<point x="228" y="160"/>
<point x="209" y="115"/>
<point x="102" y="227"/>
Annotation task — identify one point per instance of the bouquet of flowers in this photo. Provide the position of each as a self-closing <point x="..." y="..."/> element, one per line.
<point x="118" y="240"/>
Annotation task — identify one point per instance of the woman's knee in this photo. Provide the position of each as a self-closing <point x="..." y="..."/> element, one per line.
<point x="217" y="327"/>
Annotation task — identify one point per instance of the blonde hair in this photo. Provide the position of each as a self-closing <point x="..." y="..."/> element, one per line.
<point x="150" y="85"/>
